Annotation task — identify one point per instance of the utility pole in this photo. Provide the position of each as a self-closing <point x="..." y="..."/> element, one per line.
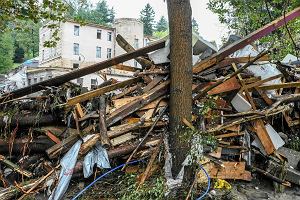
<point x="180" y="26"/>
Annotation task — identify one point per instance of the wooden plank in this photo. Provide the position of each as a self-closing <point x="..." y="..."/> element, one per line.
<point x="279" y="86"/>
<point x="58" y="80"/>
<point x="153" y="83"/>
<point x="135" y="105"/>
<point x="228" y="61"/>
<point x="126" y="91"/>
<point x="264" y="136"/>
<point x="264" y="96"/>
<point x="258" y="83"/>
<point x="265" y="30"/>
<point x="125" y="68"/>
<point x="79" y="110"/>
<point x="232" y="170"/>
<point x="122" y="139"/>
<point x="122" y="102"/>
<point x="229" y="85"/>
<point x="100" y="91"/>
<point x="229" y="135"/>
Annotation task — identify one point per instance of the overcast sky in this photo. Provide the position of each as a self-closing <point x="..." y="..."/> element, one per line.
<point x="209" y="26"/>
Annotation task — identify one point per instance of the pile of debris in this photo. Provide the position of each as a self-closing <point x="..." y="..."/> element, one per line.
<point x="246" y="108"/>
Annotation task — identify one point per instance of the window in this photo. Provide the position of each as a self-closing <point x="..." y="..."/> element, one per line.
<point x="136" y="43"/>
<point x="80" y="81"/>
<point x="98" y="52"/>
<point x="135" y="63"/>
<point x="76" y="30"/>
<point x="50" y="76"/>
<point x="29" y="81"/>
<point x="41" y="79"/>
<point x="76" y="49"/>
<point x="99" y="34"/>
<point x="43" y="54"/>
<point x="94" y="84"/>
<point x="34" y="80"/>
<point x="108" y="53"/>
<point x="75" y="65"/>
<point x="109" y="36"/>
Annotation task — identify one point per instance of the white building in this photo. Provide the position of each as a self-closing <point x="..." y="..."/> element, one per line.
<point x="80" y="46"/>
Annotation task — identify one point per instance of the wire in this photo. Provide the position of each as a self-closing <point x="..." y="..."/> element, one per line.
<point x="133" y="162"/>
<point x="208" y="183"/>
<point x="103" y="175"/>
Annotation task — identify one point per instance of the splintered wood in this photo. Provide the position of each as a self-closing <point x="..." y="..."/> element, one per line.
<point x="244" y="111"/>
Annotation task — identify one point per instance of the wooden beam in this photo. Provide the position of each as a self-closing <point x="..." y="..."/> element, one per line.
<point x="125" y="68"/>
<point x="228" y="61"/>
<point x="128" y="48"/>
<point x="279" y="86"/>
<point x="58" y="80"/>
<point x="265" y="30"/>
<point x="135" y="105"/>
<point x="100" y="91"/>
<point x="258" y="83"/>
<point x="264" y="136"/>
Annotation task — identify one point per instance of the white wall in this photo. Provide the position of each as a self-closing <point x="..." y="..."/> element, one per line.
<point x="87" y="41"/>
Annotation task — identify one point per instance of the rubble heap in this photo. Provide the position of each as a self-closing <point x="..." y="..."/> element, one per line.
<point x="246" y="108"/>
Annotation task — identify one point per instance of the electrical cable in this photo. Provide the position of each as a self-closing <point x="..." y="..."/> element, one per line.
<point x="103" y="175"/>
<point x="208" y="183"/>
<point x="133" y="162"/>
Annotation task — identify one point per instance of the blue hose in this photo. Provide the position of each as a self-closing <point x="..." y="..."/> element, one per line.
<point x="136" y="161"/>
<point x="208" y="183"/>
<point x="103" y="175"/>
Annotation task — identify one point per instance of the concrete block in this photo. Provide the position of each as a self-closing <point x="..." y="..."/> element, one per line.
<point x="240" y="104"/>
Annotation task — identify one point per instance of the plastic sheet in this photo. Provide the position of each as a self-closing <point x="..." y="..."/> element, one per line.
<point x="97" y="155"/>
<point x="68" y="163"/>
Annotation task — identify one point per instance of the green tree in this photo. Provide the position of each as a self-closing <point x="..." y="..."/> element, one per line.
<point x="85" y="12"/>
<point x="27" y="38"/>
<point x="162" y="25"/>
<point x="14" y="13"/>
<point x="147" y="17"/>
<point x="103" y="14"/>
<point x="19" y="55"/>
<point x="6" y="51"/>
<point x="195" y="26"/>
<point x="245" y="16"/>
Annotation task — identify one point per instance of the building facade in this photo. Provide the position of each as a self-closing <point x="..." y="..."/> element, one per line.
<point x="83" y="45"/>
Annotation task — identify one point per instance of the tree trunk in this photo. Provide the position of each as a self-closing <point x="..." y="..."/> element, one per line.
<point x="180" y="25"/>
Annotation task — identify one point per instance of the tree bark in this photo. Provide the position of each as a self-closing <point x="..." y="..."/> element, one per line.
<point x="180" y="25"/>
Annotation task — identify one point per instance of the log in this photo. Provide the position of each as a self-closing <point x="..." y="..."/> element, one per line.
<point x="30" y="120"/>
<point x="126" y="149"/>
<point x="128" y="48"/>
<point x="59" y="80"/>
<point x="33" y="145"/>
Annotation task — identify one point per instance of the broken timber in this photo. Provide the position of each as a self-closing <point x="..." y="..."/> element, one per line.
<point x="128" y="48"/>
<point x="217" y="57"/>
<point x="100" y="91"/>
